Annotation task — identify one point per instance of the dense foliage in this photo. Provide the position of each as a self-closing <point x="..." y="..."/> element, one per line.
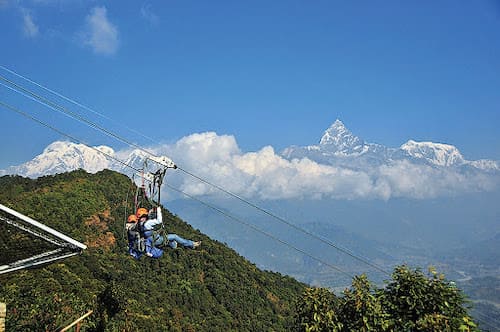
<point x="410" y="301"/>
<point x="211" y="289"/>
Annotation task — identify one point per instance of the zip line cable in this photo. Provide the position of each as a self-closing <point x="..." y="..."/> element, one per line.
<point x="59" y="108"/>
<point x="76" y="103"/>
<point x="109" y="133"/>
<point x="178" y="190"/>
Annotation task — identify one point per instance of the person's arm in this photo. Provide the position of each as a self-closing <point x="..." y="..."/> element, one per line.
<point x="153" y="222"/>
<point x="159" y="216"/>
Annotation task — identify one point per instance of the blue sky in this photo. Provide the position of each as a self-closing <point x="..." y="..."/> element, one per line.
<point x="268" y="72"/>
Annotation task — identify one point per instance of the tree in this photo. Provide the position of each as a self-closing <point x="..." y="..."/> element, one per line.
<point x="362" y="309"/>
<point x="318" y="311"/>
<point x="411" y="301"/>
<point x="425" y="303"/>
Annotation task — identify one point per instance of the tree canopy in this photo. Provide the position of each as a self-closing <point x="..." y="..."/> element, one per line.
<point x="410" y="301"/>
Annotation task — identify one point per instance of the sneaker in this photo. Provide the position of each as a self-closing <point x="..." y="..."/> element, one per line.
<point x="196" y="244"/>
<point x="149" y="254"/>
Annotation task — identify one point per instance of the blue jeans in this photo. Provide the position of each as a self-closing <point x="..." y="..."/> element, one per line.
<point x="174" y="239"/>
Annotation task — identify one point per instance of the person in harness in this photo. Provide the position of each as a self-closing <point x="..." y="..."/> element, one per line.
<point x="154" y="240"/>
<point x="133" y="235"/>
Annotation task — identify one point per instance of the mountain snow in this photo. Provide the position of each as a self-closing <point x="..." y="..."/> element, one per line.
<point x="62" y="156"/>
<point x="337" y="147"/>
<point x="434" y="153"/>
<point x="341" y="139"/>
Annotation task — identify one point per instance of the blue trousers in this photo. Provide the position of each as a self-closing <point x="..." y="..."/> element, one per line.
<point x="172" y="239"/>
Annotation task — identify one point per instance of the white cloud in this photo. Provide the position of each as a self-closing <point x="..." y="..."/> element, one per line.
<point x="30" y="29"/>
<point x="422" y="181"/>
<point x="149" y="15"/>
<point x="99" y="33"/>
<point x="265" y="174"/>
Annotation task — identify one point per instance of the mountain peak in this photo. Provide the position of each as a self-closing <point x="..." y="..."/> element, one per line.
<point x="338" y="136"/>
<point x="338" y="125"/>
<point x="335" y="132"/>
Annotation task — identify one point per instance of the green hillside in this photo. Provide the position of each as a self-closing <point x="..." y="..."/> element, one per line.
<point x="208" y="289"/>
<point x="211" y="288"/>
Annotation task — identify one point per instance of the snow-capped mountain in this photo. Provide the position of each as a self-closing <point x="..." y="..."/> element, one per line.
<point x="337" y="141"/>
<point x="61" y="157"/>
<point x="339" y="147"/>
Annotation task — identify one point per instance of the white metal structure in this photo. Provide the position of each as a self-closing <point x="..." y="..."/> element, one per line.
<point x="63" y="245"/>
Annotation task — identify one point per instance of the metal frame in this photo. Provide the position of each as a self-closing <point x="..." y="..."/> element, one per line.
<point x="65" y="242"/>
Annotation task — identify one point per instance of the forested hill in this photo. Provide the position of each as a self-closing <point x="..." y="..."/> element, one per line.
<point x="211" y="288"/>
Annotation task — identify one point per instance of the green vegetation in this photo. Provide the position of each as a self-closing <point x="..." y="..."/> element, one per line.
<point x="411" y="301"/>
<point x="212" y="288"/>
<point x="208" y="289"/>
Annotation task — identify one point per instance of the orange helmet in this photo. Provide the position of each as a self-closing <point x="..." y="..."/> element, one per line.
<point x="141" y="212"/>
<point x="132" y="218"/>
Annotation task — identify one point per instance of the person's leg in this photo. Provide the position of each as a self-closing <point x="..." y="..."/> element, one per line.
<point x="180" y="240"/>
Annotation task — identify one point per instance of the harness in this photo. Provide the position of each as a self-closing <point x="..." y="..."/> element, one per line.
<point x="134" y="235"/>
